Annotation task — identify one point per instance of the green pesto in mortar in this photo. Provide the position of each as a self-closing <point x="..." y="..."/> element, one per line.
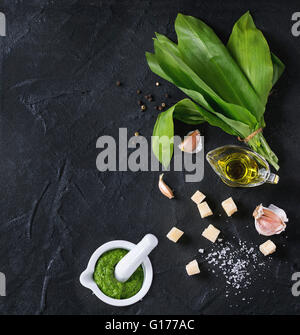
<point x="105" y="278"/>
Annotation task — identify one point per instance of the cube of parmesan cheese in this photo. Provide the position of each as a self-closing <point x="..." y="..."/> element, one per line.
<point x="267" y="248"/>
<point x="198" y="197"/>
<point x="204" y="210"/>
<point x="229" y="206"/>
<point x="174" y="234"/>
<point x="192" y="268"/>
<point x="211" y="233"/>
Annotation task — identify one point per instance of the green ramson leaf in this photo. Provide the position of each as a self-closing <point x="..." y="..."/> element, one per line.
<point x="188" y="112"/>
<point x="166" y="43"/>
<point x="180" y="74"/>
<point x="278" y="68"/>
<point x="155" y="67"/>
<point x="202" y="51"/>
<point x="217" y="119"/>
<point x="250" y="50"/>
<point x="163" y="132"/>
<point x="197" y="112"/>
<point x="164" y="127"/>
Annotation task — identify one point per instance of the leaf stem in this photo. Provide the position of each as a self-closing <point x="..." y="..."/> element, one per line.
<point x="259" y="144"/>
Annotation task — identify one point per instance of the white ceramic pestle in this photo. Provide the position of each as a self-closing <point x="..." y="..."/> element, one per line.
<point x="135" y="257"/>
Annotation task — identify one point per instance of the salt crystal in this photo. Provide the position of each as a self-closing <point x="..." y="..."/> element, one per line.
<point x="235" y="262"/>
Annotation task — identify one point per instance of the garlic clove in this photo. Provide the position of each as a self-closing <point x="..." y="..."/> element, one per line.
<point x="270" y="220"/>
<point x="164" y="188"/>
<point x="280" y="212"/>
<point x="192" y="142"/>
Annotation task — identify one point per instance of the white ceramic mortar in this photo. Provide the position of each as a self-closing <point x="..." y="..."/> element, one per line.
<point x="86" y="277"/>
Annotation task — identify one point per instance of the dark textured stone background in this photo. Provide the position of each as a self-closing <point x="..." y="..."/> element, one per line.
<point x="60" y="61"/>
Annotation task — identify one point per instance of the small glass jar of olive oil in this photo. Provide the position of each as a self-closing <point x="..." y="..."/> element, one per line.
<point x="240" y="167"/>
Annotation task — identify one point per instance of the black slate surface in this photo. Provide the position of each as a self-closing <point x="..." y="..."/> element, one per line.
<point x="60" y="61"/>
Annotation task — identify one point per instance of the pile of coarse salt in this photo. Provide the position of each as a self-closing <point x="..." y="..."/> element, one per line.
<point x="237" y="263"/>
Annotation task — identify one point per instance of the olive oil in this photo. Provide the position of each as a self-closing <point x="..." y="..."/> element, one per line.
<point x="239" y="166"/>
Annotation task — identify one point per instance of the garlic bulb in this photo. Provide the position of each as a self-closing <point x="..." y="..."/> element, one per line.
<point x="269" y="220"/>
<point x="192" y="142"/>
<point x="164" y="188"/>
